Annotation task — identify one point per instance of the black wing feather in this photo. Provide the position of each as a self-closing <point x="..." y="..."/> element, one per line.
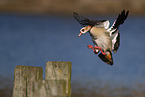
<point x="83" y="20"/>
<point x="121" y="18"/>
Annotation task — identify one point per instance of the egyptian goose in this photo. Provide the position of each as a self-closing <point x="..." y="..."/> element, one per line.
<point x="104" y="38"/>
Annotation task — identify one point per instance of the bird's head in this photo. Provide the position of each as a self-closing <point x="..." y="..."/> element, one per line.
<point x="84" y="30"/>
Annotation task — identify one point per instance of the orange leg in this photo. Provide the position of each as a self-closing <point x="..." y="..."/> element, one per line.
<point x="96" y="51"/>
<point x="100" y="50"/>
<point x="90" y="46"/>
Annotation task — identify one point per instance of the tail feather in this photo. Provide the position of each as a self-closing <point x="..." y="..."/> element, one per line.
<point x="106" y="58"/>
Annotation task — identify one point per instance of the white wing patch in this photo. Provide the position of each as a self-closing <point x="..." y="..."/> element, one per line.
<point x="111" y="29"/>
<point x="114" y="40"/>
<point x="113" y="34"/>
<point x="106" y="24"/>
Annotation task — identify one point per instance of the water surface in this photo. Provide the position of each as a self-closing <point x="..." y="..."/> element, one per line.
<point x="34" y="40"/>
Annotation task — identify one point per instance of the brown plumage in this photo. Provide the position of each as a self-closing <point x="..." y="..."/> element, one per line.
<point x="104" y="38"/>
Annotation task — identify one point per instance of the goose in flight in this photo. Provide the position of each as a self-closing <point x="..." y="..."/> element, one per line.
<point x="105" y="39"/>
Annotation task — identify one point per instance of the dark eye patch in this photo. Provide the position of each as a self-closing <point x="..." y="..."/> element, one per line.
<point x="83" y="30"/>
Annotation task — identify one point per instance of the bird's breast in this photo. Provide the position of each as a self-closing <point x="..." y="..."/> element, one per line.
<point x="101" y="38"/>
<point x="97" y="33"/>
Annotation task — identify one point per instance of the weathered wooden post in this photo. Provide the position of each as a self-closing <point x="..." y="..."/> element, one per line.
<point x="50" y="88"/>
<point x="58" y="73"/>
<point x="28" y="80"/>
<point x="24" y="77"/>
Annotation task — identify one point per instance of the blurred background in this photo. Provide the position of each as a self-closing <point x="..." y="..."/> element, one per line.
<point x="33" y="32"/>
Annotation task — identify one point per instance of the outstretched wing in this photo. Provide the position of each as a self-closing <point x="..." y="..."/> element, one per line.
<point x="121" y="18"/>
<point x="85" y="21"/>
<point x="114" y="32"/>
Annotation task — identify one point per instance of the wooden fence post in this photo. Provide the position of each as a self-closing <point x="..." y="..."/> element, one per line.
<point x="50" y="88"/>
<point x="59" y="71"/>
<point x="24" y="76"/>
<point x="28" y="80"/>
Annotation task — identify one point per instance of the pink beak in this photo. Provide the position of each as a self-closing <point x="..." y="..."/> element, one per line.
<point x="79" y="34"/>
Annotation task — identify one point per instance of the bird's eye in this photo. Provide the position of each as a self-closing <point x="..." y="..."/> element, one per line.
<point x="83" y="30"/>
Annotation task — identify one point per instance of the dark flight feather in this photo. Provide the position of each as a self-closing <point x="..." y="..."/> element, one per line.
<point x="121" y="18"/>
<point x="85" y="21"/>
